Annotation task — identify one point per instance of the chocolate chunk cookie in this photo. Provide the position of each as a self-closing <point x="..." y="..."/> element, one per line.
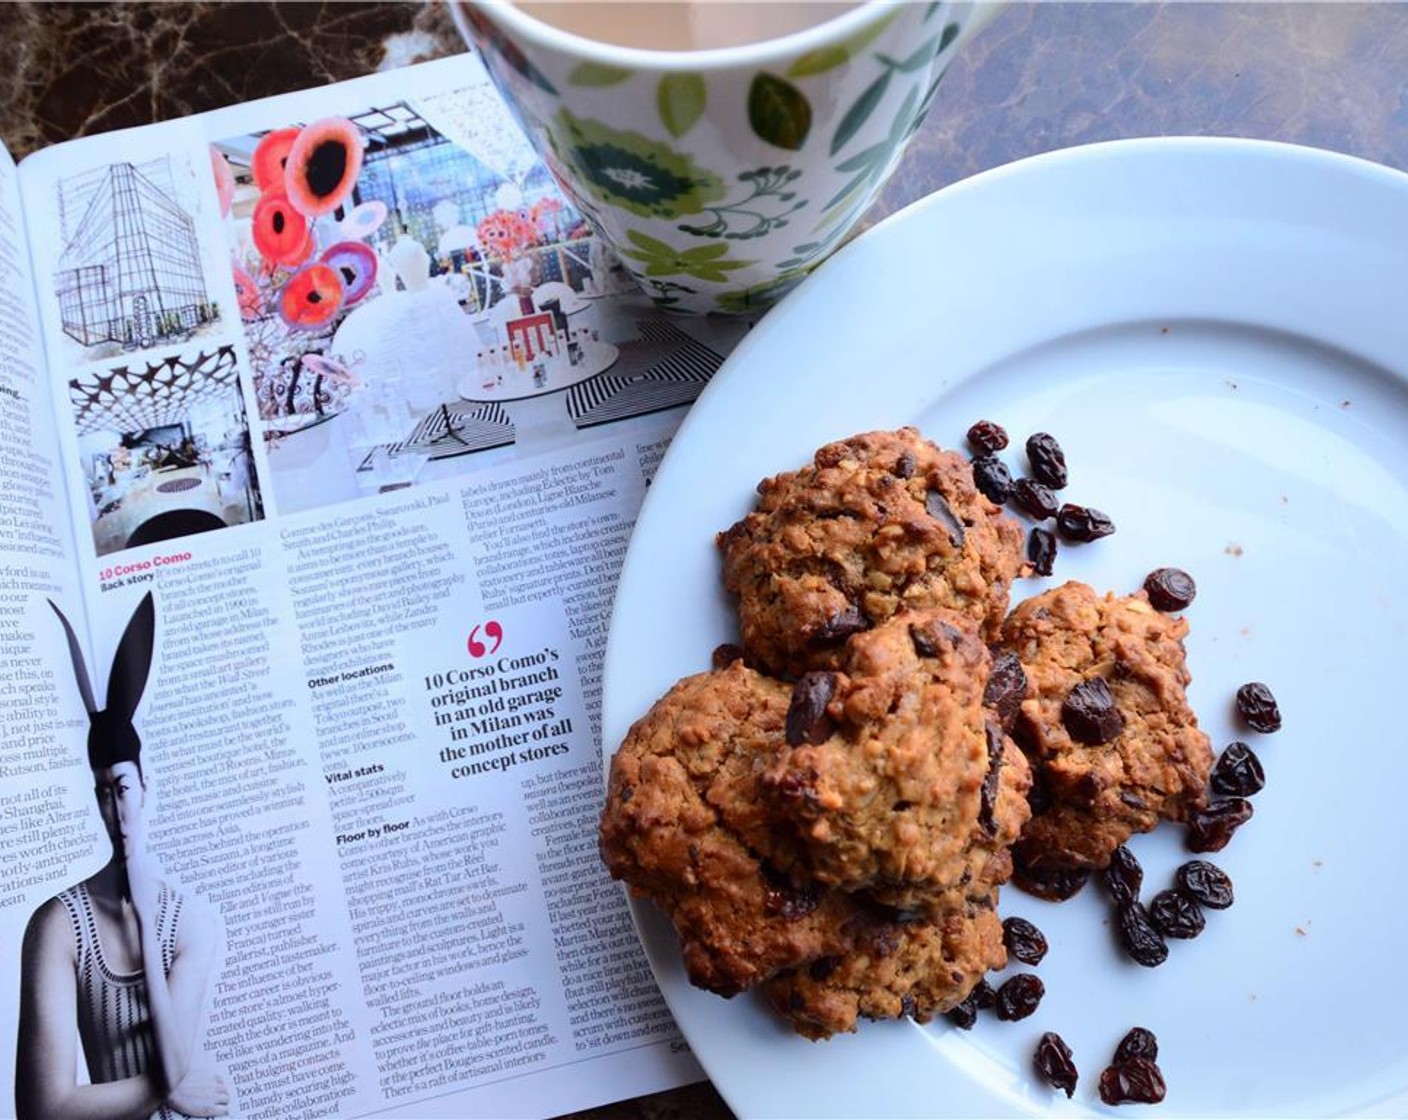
<point x="876" y="524"/>
<point x="686" y="826"/>
<point x="1113" y="743"/>
<point x="915" y="969"/>
<point x="888" y="794"/>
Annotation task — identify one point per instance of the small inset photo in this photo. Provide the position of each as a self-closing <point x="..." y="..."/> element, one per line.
<point x="164" y="446"/>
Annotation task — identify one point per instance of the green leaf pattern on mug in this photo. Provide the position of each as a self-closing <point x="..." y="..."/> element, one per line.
<point x="745" y="217"/>
<point x="680" y="99"/>
<point x="703" y="262"/>
<point x="779" y="112"/>
<point x="629" y="170"/>
<point x="827" y="58"/>
<point x="597" y="74"/>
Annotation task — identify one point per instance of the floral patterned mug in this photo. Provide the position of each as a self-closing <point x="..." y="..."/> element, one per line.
<point x="721" y="177"/>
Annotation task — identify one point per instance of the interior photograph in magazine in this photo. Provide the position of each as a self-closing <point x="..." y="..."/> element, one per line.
<point x="414" y="289"/>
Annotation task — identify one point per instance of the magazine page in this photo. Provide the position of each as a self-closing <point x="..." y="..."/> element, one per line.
<point x="44" y="787"/>
<point x="363" y="415"/>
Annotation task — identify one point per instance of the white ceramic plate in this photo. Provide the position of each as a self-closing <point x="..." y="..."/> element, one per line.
<point x="1217" y="332"/>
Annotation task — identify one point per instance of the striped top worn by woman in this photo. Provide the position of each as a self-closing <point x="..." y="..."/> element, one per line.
<point x="113" y="1019"/>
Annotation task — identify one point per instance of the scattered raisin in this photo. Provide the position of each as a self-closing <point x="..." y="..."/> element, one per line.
<point x="987" y="437"/>
<point x="1054" y="884"/>
<point x="1055" y="1064"/>
<point x="725" y="655"/>
<point x="1041" y="550"/>
<point x="991" y="476"/>
<point x="1035" y="498"/>
<point x="983" y="995"/>
<point x="1258" y="707"/>
<point x="1170" y="589"/>
<point x="1006" y="687"/>
<point x="1023" y="940"/>
<point x="807" y="721"/>
<point x="937" y="507"/>
<point x="964" y="1013"/>
<point x="1124" y="876"/>
<point x="1047" y="459"/>
<point x="1083" y="523"/>
<point x="1210" y="829"/>
<point x="1137" y="1081"/>
<point x="1238" y="772"/>
<point x="1089" y="713"/>
<point x="1176" y="914"/>
<point x="1141" y="940"/>
<point x="1138" y="1043"/>
<point x="1019" y="996"/>
<point x="1206" y="882"/>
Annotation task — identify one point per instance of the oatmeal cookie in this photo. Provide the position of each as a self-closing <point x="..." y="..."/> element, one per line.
<point x="914" y="969"/>
<point x="684" y="824"/>
<point x="876" y="524"/>
<point x="1113" y="743"/>
<point x="884" y="769"/>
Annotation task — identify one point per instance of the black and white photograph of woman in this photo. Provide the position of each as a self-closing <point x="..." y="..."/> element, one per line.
<point x="117" y="965"/>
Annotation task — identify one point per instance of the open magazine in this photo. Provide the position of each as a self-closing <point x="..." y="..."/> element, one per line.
<point x="327" y="422"/>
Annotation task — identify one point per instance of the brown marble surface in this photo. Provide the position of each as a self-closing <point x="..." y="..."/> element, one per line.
<point x="1041" y="76"/>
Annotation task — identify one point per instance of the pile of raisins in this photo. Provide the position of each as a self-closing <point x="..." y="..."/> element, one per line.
<point x="1236" y="776"/>
<point x="1133" y="1076"/>
<point x="1172" y="914"/>
<point x="1034" y="493"/>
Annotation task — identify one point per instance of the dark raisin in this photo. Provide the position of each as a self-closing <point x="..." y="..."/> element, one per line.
<point x="987" y="437"/>
<point x="1258" y="707"/>
<point x="1054" y="884"/>
<point x="1024" y="941"/>
<point x="991" y="476"/>
<point x="1137" y="1081"/>
<point x="1055" y="1064"/>
<point x="1206" y="882"/>
<point x="987" y="796"/>
<point x="725" y="655"/>
<point x="937" y="507"/>
<point x="1035" y="498"/>
<point x="904" y="465"/>
<point x="807" y="721"/>
<point x="983" y="995"/>
<point x="840" y="626"/>
<point x="1176" y="914"/>
<point x="1124" y="876"/>
<point x="1170" y="589"/>
<point x="1144" y="943"/>
<point x="934" y="637"/>
<point x="1210" y="829"/>
<point x="963" y="1014"/>
<point x="787" y="900"/>
<point x="1138" y="1043"/>
<point x="1006" y="687"/>
<point x="1047" y="459"/>
<point x="1089" y="713"/>
<point x="1041" y="550"/>
<point x="1238" y="772"/>
<point x="1019" y="996"/>
<point x="1083" y="523"/>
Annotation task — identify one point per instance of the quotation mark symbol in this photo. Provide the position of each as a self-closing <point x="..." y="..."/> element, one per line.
<point x="493" y="631"/>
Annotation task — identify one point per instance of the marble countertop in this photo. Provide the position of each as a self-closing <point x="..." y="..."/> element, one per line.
<point x="1041" y="76"/>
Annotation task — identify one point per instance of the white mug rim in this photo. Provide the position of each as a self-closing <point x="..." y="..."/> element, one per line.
<point x="764" y="51"/>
